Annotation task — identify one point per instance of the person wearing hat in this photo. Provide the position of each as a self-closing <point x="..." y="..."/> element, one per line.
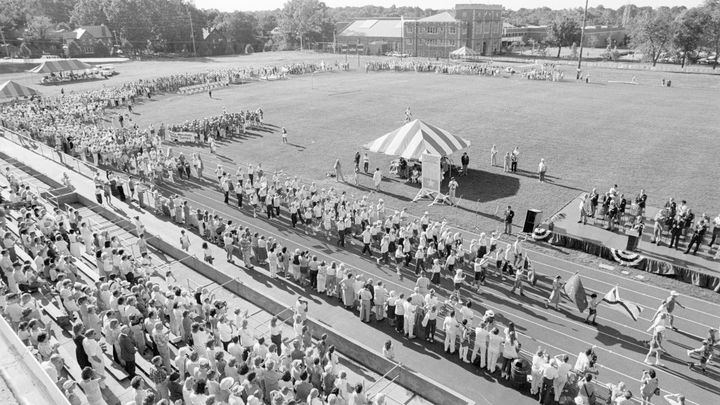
<point x="668" y="306"/>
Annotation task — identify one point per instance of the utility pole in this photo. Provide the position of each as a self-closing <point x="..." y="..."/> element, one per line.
<point x="2" y="34"/>
<point x="192" y="30"/>
<point x="582" y="37"/>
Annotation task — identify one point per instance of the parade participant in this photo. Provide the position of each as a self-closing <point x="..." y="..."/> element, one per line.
<point x="555" y="293"/>
<point x="518" y="282"/>
<point x="656" y="346"/>
<point x="705" y="353"/>
<point x="465" y="161"/>
<point x="592" y="309"/>
<point x="668" y="306"/>
<point x="283" y="132"/>
<point x="493" y="156"/>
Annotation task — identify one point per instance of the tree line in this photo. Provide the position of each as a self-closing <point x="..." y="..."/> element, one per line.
<point x="177" y="25"/>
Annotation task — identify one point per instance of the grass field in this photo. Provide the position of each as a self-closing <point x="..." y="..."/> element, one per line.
<point x="591" y="135"/>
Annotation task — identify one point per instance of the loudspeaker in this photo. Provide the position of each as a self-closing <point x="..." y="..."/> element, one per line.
<point x="532" y="220"/>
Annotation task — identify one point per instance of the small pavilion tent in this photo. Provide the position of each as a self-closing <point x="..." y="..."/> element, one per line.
<point x="60" y="65"/>
<point x="416" y="137"/>
<point x="463" y="52"/>
<point x="11" y="89"/>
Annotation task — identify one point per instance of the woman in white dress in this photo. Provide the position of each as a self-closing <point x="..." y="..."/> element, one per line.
<point x="321" y="277"/>
<point x="75" y="244"/>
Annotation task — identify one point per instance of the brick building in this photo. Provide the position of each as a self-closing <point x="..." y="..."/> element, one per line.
<point x="435" y="36"/>
<point x="483" y="26"/>
<point x="476" y="26"/>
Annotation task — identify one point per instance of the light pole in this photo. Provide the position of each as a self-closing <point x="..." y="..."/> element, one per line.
<point x="192" y="30"/>
<point x="582" y="37"/>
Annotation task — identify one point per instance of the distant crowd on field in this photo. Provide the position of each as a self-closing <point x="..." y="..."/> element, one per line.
<point x="546" y="71"/>
<point x="80" y="120"/>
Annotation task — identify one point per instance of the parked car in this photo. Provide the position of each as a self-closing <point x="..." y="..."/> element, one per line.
<point x="106" y="70"/>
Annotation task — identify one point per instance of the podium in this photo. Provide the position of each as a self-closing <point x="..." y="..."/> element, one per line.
<point x="633" y="240"/>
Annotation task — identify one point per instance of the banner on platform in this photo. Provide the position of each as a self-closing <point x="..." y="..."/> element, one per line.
<point x="431" y="175"/>
<point x="182" y="137"/>
<point x="626" y="258"/>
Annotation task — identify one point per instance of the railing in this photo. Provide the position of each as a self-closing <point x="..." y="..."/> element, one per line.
<point x="383" y="378"/>
<point x="85" y="168"/>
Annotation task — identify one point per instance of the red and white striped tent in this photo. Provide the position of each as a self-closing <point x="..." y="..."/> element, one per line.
<point x="11" y="89"/>
<point x="416" y="137"/>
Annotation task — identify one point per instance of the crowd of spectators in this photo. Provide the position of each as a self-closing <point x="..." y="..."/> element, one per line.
<point x="200" y="351"/>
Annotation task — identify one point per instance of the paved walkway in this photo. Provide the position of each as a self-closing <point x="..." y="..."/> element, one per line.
<point x="620" y="342"/>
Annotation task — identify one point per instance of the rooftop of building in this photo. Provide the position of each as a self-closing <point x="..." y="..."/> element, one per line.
<point x="375" y="27"/>
<point x="478" y="7"/>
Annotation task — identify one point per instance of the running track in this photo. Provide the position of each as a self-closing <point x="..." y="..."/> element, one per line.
<point x="620" y="341"/>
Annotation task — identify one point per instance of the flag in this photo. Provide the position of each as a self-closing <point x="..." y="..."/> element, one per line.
<point x="573" y="288"/>
<point x="628" y="308"/>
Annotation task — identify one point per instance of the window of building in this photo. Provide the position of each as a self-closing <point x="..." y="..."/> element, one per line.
<point x="408" y="41"/>
<point x="431" y="30"/>
<point x="452" y="30"/>
<point x="409" y="28"/>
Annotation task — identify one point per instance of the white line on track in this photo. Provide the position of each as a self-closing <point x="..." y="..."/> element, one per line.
<point x="666" y="292"/>
<point x="375" y="276"/>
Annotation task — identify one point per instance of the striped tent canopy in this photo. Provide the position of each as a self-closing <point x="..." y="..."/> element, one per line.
<point x="463" y="52"/>
<point x="60" y="65"/>
<point x="416" y="137"/>
<point x="11" y="89"/>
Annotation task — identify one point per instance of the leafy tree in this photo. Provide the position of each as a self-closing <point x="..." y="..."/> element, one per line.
<point x="712" y="28"/>
<point x="300" y="18"/>
<point x="563" y="32"/>
<point x="651" y="33"/>
<point x="688" y="31"/>
<point x="130" y="19"/>
<point x="38" y="28"/>
<point x="239" y="28"/>
<point x="89" y="12"/>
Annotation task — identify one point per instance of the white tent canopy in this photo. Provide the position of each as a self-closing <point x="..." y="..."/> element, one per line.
<point x="416" y="137"/>
<point x="463" y="52"/>
<point x="60" y="65"/>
